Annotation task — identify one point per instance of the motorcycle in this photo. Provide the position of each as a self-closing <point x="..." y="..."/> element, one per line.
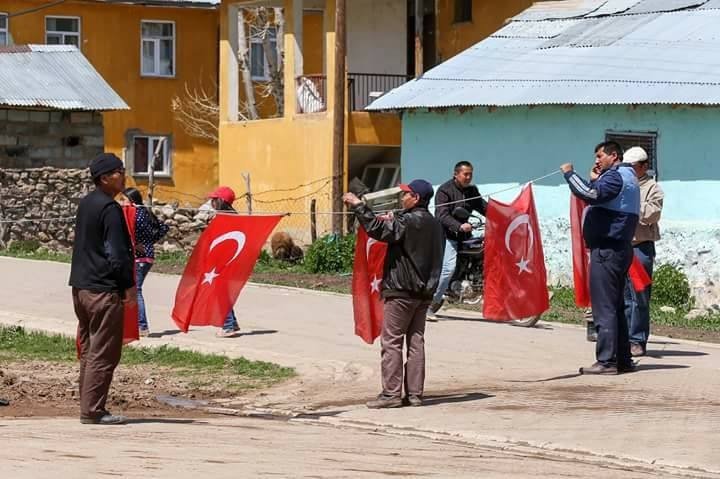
<point x="466" y="284"/>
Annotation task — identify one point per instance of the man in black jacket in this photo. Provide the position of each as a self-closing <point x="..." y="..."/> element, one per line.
<point x="457" y="192"/>
<point x="412" y="270"/>
<point x="102" y="280"/>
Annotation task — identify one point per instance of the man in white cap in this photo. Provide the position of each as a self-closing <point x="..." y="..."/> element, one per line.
<point x="637" y="303"/>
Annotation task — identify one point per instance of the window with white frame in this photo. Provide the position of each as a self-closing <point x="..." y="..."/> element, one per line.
<point x="3" y="29"/>
<point x="62" y="31"/>
<point x="150" y="150"/>
<point x="259" y="66"/>
<point x="158" y="48"/>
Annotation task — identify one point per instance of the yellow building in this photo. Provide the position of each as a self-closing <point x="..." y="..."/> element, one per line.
<point x="288" y="154"/>
<point x="149" y="54"/>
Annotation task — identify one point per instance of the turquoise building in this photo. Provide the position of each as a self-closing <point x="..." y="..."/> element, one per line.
<point x="560" y="78"/>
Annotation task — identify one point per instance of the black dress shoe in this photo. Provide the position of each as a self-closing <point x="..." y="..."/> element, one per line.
<point x="627" y="368"/>
<point x="598" y="368"/>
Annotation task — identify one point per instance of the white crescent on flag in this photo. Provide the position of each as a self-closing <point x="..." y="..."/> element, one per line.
<point x="239" y="238"/>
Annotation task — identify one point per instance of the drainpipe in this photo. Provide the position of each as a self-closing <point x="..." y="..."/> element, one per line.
<point x="338" y="151"/>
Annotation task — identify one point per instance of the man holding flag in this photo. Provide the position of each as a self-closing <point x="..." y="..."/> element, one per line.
<point x="608" y="229"/>
<point x="411" y="273"/>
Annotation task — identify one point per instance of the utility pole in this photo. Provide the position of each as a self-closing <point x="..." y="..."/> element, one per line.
<point x="419" y="16"/>
<point x="338" y="151"/>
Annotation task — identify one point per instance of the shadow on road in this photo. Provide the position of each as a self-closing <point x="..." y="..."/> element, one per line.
<point x="258" y="332"/>
<point x="453" y="398"/>
<point x="159" y="420"/>
<point x="653" y="367"/>
<point x="662" y="354"/>
<point x="554" y="378"/>
<point x="167" y="332"/>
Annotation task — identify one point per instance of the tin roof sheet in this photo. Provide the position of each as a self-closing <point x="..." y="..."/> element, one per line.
<point x="666" y="57"/>
<point x="53" y="76"/>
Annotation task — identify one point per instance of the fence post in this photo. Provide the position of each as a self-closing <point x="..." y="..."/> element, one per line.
<point x="313" y="220"/>
<point x="248" y="195"/>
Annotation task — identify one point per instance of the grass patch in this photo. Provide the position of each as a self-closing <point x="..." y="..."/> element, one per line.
<point x="16" y="344"/>
<point x="563" y="310"/>
<point x="31" y="250"/>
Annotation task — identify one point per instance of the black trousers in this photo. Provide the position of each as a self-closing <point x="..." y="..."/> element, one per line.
<point x="608" y="272"/>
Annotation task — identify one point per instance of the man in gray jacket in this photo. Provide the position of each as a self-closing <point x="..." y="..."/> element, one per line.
<point x="637" y="303"/>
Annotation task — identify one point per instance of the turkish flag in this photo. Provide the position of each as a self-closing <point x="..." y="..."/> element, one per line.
<point x="366" y="280"/>
<point x="219" y="267"/>
<point x="639" y="278"/>
<point x="580" y="253"/>
<point x="515" y="276"/>
<point x="131" y="328"/>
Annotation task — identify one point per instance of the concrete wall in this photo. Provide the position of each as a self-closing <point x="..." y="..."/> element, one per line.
<point x="512" y="145"/>
<point x="35" y="138"/>
<point x="110" y="39"/>
<point x="377" y="36"/>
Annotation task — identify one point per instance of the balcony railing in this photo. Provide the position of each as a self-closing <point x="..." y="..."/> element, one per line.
<point x="311" y="93"/>
<point x="364" y="88"/>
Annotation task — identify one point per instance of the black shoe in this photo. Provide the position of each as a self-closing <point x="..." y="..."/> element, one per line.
<point x="598" y="368"/>
<point x="104" y="420"/>
<point x="627" y="368"/>
<point x="383" y="402"/>
<point x="413" y="400"/>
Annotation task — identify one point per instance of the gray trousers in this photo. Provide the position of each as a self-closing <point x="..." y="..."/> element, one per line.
<point x="100" y="336"/>
<point x="404" y="321"/>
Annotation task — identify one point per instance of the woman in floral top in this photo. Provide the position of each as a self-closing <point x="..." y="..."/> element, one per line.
<point x="148" y="231"/>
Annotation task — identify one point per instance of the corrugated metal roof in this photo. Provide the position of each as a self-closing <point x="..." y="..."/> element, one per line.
<point x="53" y="76"/>
<point x="559" y="9"/>
<point x="670" y="57"/>
<point x="613" y="7"/>
<point x="650" y="6"/>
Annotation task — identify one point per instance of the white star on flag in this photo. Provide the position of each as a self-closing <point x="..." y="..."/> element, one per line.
<point x="375" y="285"/>
<point x="209" y="277"/>
<point x="523" y="265"/>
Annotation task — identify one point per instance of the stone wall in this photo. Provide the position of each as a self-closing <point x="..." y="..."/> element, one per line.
<point x="693" y="247"/>
<point x="63" y="139"/>
<point x="42" y="203"/>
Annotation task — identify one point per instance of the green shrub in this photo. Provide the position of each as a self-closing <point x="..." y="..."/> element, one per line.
<point x="331" y="254"/>
<point x="23" y="246"/>
<point x="671" y="287"/>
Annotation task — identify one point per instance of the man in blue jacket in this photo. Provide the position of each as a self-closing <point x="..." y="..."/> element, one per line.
<point x="614" y="198"/>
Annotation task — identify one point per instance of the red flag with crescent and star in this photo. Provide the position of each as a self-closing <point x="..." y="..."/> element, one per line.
<point x="219" y="266"/>
<point x="515" y="276"/>
<point x="639" y="277"/>
<point x="366" y="281"/>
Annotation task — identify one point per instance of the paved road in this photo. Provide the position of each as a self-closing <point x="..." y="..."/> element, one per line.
<point x="489" y="385"/>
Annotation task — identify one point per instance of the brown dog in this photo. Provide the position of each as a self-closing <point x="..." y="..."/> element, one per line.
<point x="284" y="248"/>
